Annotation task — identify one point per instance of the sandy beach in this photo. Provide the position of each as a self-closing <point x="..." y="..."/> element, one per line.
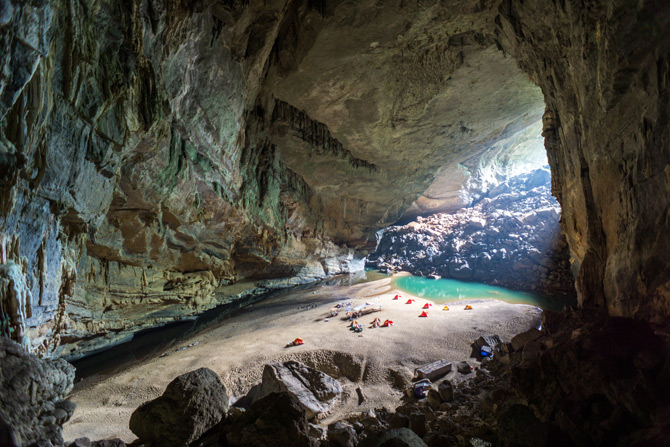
<point x="379" y="360"/>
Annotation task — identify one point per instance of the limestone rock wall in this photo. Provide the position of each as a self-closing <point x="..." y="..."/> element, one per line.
<point x="137" y="175"/>
<point x="153" y="153"/>
<point x="604" y="71"/>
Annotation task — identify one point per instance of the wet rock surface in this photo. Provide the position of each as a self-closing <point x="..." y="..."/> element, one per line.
<point x="192" y="404"/>
<point x="511" y="238"/>
<point x="33" y="392"/>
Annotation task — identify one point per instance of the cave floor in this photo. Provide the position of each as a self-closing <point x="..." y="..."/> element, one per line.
<point x="239" y="347"/>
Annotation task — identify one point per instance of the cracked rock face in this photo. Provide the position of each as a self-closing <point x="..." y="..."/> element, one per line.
<point x="153" y="154"/>
<point x="604" y="71"/>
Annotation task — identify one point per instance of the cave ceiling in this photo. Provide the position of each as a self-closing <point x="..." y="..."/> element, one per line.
<point x="154" y="154"/>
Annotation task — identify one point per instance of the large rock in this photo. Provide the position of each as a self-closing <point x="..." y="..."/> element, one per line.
<point x="398" y="437"/>
<point x="316" y="391"/>
<point x="32" y="394"/>
<point x="277" y="419"/>
<point x="191" y="404"/>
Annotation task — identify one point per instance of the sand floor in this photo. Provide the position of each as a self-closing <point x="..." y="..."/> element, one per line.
<point x="379" y="360"/>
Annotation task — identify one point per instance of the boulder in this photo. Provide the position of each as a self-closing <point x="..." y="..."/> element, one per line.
<point x="520" y="340"/>
<point x="464" y="367"/>
<point x="116" y="442"/>
<point x="32" y="393"/>
<point x="316" y="391"/>
<point x="192" y="404"/>
<point x="434" y="399"/>
<point x="276" y="419"/>
<point x="342" y="434"/>
<point x="398" y="437"/>
<point x="446" y="391"/>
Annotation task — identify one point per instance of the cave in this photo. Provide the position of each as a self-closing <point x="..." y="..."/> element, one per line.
<point x="195" y="177"/>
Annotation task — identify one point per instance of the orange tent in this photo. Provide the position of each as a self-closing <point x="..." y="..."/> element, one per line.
<point x="409" y="301"/>
<point x="423" y="314"/>
<point x="427" y="306"/>
<point x="445" y="308"/>
<point x="468" y="307"/>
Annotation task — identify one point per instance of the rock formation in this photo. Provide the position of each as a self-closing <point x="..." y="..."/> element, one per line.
<point x="315" y="391"/>
<point x="192" y="404"/>
<point x="195" y="146"/>
<point x="511" y="238"/>
<point x="152" y="153"/>
<point x="33" y="405"/>
<point x="604" y="72"/>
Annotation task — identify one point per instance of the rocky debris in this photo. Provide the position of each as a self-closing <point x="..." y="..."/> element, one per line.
<point x="85" y="442"/>
<point x="191" y="404"/>
<point x="32" y="396"/>
<point x="399" y="437"/>
<point x="446" y="391"/>
<point x="342" y="434"/>
<point x="316" y="391"/>
<point x="464" y="367"/>
<point x="605" y="376"/>
<point x="510" y="238"/>
<point x="276" y="419"/>
<point x="584" y="379"/>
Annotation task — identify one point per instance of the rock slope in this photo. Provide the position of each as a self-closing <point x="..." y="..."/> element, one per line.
<point x="510" y="238"/>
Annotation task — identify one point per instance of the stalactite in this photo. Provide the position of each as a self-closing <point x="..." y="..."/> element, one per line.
<point x="317" y="135"/>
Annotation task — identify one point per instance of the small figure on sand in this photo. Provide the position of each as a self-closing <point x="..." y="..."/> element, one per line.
<point x="387" y="323"/>
<point x="376" y="323"/>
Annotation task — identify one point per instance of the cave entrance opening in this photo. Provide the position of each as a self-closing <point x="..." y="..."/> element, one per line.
<point x="489" y="219"/>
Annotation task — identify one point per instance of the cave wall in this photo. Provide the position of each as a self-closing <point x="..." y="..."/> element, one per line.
<point x="137" y="175"/>
<point x="160" y="158"/>
<point x="603" y="69"/>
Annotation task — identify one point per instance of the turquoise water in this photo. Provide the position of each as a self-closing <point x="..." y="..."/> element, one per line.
<point x="450" y="290"/>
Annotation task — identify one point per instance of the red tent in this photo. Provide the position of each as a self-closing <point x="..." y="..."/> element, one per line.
<point x="409" y="301"/>
<point x="298" y="341"/>
<point x="427" y="306"/>
<point x="396" y="297"/>
<point x="423" y="314"/>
